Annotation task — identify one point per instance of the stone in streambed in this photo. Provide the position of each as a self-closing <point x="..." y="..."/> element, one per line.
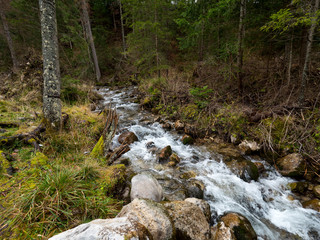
<point x="292" y="165"/>
<point x="164" y="154"/>
<point x="189" y="220"/>
<point x="173" y="160"/>
<point x="179" y="126"/>
<point x="152" y="215"/>
<point x="247" y="147"/>
<point x="316" y="191"/>
<point x="112" y="229"/>
<point x="186" y="140"/>
<point x="245" y="169"/>
<point x="203" y="205"/>
<point x="127" y="138"/>
<point x="233" y="226"/>
<point x="146" y="186"/>
<point x="312" y="204"/>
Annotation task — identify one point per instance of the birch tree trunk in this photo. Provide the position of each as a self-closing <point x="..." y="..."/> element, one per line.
<point x="86" y="20"/>
<point x="51" y="68"/>
<point x="8" y="37"/>
<point x="304" y="76"/>
<point x="240" y="45"/>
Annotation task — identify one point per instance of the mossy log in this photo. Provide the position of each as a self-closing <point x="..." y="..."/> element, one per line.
<point x="29" y="138"/>
<point x="102" y="147"/>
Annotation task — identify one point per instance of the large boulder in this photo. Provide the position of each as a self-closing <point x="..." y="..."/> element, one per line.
<point x="189" y="220"/>
<point x="233" y="226"/>
<point x="152" y="215"/>
<point x="127" y="138"/>
<point x="111" y="229"/>
<point x="203" y="205"/>
<point x="292" y="165"/>
<point x="146" y="186"/>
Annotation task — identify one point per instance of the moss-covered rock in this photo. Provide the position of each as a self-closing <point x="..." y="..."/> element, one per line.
<point x="113" y="180"/>
<point x="298" y="187"/>
<point x="312" y="204"/>
<point x="164" y="154"/>
<point x="245" y="169"/>
<point x="233" y="226"/>
<point x="98" y="149"/>
<point x="186" y="140"/>
<point x="316" y="191"/>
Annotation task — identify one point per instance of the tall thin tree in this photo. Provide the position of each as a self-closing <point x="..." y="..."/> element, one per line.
<point x="240" y="45"/>
<point x="51" y="67"/>
<point x="89" y="36"/>
<point x="124" y="45"/>
<point x="8" y="36"/>
<point x="304" y="76"/>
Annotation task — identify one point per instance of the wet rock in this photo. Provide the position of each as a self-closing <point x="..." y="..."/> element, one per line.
<point x="127" y="138"/>
<point x="245" y="169"/>
<point x="146" y="186"/>
<point x="247" y="147"/>
<point x="186" y="140"/>
<point x="157" y="119"/>
<point x="150" y="145"/>
<point x="316" y="191"/>
<point x="124" y="161"/>
<point x="188" y="175"/>
<point x="189" y="220"/>
<point x="112" y="229"/>
<point x="164" y="154"/>
<point x="203" y="205"/>
<point x="166" y="126"/>
<point x="173" y="160"/>
<point x="152" y="215"/>
<point x="260" y="167"/>
<point x="292" y="165"/>
<point x="227" y="150"/>
<point x="233" y="226"/>
<point x="195" y="189"/>
<point x="179" y="126"/>
<point x="190" y="130"/>
<point x="312" y="204"/>
<point x="298" y="187"/>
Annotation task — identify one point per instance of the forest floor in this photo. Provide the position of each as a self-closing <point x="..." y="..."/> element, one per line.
<point x="40" y="189"/>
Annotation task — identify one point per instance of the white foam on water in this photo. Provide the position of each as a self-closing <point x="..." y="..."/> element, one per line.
<point x="264" y="202"/>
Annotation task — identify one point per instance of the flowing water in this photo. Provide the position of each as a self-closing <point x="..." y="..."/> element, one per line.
<point x="264" y="202"/>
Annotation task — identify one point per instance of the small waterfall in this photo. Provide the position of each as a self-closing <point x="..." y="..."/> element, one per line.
<point x="264" y="202"/>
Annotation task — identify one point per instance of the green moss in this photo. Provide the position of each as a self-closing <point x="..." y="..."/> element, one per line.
<point x="98" y="149"/>
<point x="190" y="111"/>
<point x="4" y="164"/>
<point x="113" y="178"/>
<point x="39" y="160"/>
<point x="187" y="140"/>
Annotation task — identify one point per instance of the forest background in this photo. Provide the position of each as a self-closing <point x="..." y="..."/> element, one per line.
<point x="235" y="69"/>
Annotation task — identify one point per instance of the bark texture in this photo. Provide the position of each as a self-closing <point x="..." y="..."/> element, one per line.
<point x="8" y="36"/>
<point x="304" y="76"/>
<point x="51" y="68"/>
<point x="87" y="25"/>
<point x="124" y="45"/>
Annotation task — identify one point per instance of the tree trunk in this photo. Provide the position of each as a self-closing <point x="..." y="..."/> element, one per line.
<point x="51" y="68"/>
<point x="240" y="46"/>
<point x="304" y="76"/>
<point x="86" y="20"/>
<point x="156" y="40"/>
<point x="290" y="60"/>
<point x="122" y="28"/>
<point x="8" y="37"/>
